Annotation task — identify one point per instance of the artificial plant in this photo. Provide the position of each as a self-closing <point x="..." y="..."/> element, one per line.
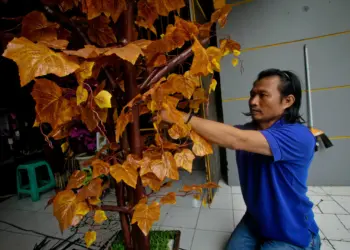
<point x="102" y="63"/>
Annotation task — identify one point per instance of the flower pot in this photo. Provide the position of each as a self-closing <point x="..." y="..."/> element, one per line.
<point x="82" y="158"/>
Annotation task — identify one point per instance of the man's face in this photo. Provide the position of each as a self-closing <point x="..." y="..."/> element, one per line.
<point x="265" y="100"/>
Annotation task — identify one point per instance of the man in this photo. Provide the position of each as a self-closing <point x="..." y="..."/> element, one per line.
<point x="274" y="153"/>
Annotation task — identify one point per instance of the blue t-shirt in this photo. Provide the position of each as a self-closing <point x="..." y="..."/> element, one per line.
<point x="274" y="187"/>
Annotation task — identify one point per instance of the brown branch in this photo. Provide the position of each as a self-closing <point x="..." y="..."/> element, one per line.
<point x="125" y="210"/>
<point x="171" y="65"/>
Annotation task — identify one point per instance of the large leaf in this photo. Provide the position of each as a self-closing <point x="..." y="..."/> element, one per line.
<point x="152" y="181"/>
<point x="64" y="208"/>
<point x="200" y="146"/>
<point x="35" y="60"/>
<point x="99" y="168"/>
<point x="165" y="167"/>
<point x="36" y="28"/>
<point x="76" y="180"/>
<point x="185" y="28"/>
<point x="93" y="189"/>
<point x="169" y="198"/>
<point x="148" y="12"/>
<point x="51" y="106"/>
<point x="181" y="84"/>
<point x="185" y="159"/>
<point x="125" y="172"/>
<point x="103" y="99"/>
<point x="179" y="130"/>
<point x="99" y="31"/>
<point x="84" y="72"/>
<point x="122" y="121"/>
<point x="145" y="215"/>
<point x="89" y="116"/>
<point x="111" y="8"/>
<point x="90" y="237"/>
<point x="163" y="7"/>
<point x="88" y="52"/>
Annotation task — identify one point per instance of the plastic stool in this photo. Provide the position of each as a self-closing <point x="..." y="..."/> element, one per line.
<point x="32" y="189"/>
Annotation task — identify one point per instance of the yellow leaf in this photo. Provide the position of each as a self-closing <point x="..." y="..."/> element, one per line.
<point x="64" y="208"/>
<point x="212" y="85"/>
<point x="221" y="14"/>
<point x="151" y="180"/>
<point x="93" y="189"/>
<point x="235" y="62"/>
<point x="103" y="99"/>
<point x="197" y="196"/>
<point x="200" y="146"/>
<point x="76" y="180"/>
<point x="90" y="237"/>
<point x="64" y="146"/>
<point x="124" y="172"/>
<point x="236" y="52"/>
<point x="145" y="215"/>
<point x="219" y="4"/>
<point x="45" y="61"/>
<point x="179" y="130"/>
<point x="170" y="198"/>
<point x="82" y="94"/>
<point x="129" y="52"/>
<point x="100" y="216"/>
<point x="82" y="208"/>
<point x="84" y="72"/>
<point x="185" y="159"/>
<point x="99" y="168"/>
<point x="94" y="201"/>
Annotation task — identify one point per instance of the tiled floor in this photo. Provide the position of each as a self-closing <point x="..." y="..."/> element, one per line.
<point x="202" y="228"/>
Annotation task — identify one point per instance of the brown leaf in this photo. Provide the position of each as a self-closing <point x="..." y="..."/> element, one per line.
<point x="163" y="7"/>
<point x="88" y="52"/>
<point x="182" y="84"/>
<point x="64" y="208"/>
<point x="185" y="159"/>
<point x="45" y="61"/>
<point x="90" y="237"/>
<point x="142" y="23"/>
<point x="99" y="31"/>
<point x="219" y="4"/>
<point x="165" y="167"/>
<point x="190" y="188"/>
<point x="137" y="163"/>
<point x="55" y="44"/>
<point x="130" y="52"/>
<point x="94" y="8"/>
<point x="186" y="29"/>
<point x="36" y="28"/>
<point x="76" y="180"/>
<point x="82" y="208"/>
<point x="151" y="180"/>
<point x="200" y="146"/>
<point x="122" y="121"/>
<point x="125" y="173"/>
<point x="68" y="4"/>
<point x="220" y="15"/>
<point x="51" y="106"/>
<point x="84" y="72"/>
<point x="93" y="189"/>
<point x="179" y="130"/>
<point x="210" y="185"/>
<point x="99" y="168"/>
<point x="204" y="29"/>
<point x="148" y="12"/>
<point x="169" y="198"/>
<point x="145" y="215"/>
<point x="61" y="131"/>
<point x="228" y="46"/>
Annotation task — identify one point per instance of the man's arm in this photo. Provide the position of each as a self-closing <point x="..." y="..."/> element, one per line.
<point x="230" y="137"/>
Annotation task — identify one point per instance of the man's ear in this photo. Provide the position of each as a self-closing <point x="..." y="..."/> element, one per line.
<point x="288" y="101"/>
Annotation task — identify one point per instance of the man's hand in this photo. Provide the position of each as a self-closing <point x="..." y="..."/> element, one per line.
<point x="165" y="117"/>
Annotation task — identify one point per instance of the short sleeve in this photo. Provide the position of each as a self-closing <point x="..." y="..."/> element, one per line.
<point x="293" y="142"/>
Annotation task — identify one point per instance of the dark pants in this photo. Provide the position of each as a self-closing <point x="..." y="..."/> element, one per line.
<point x="243" y="239"/>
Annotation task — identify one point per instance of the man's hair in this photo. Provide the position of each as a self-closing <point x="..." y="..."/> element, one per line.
<point x="290" y="85"/>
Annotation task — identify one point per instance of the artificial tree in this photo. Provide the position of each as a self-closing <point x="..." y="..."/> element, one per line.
<point x="112" y="76"/>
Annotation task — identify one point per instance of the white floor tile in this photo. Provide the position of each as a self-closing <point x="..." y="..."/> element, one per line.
<point x="222" y="201"/>
<point x="343" y="190"/>
<point x="331" y="207"/>
<point x="209" y="240"/>
<point x="224" y="188"/>
<point x="215" y="220"/>
<point x="325" y="245"/>
<point x="343" y="201"/>
<point x="313" y="190"/>
<point x="25" y="204"/>
<point x="164" y="210"/>
<point x="345" y="220"/>
<point x="181" y="217"/>
<point x="332" y="227"/>
<point x="15" y="241"/>
<point x="186" y="201"/>
<point x="322" y="236"/>
<point x="340" y="245"/>
<point x="186" y="236"/>
<point x="237" y="216"/>
<point x="238" y="202"/>
<point x="236" y="190"/>
<point x="316" y="199"/>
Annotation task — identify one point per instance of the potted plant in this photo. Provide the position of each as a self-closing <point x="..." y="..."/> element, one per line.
<point x="106" y="63"/>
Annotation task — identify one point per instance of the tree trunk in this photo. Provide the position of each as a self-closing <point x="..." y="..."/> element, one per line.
<point x="141" y="242"/>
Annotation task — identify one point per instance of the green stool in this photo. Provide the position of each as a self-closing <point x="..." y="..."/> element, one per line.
<point x="33" y="189"/>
